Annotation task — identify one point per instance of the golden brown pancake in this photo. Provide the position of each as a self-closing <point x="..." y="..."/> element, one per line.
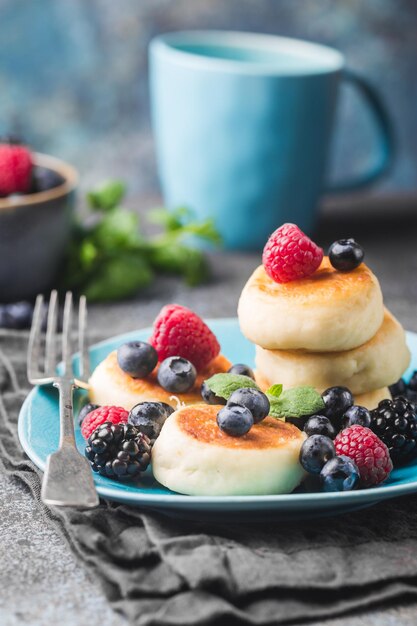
<point x="200" y="423"/>
<point x="193" y="456"/>
<point x="109" y="384"/>
<point x="379" y="362"/>
<point x="329" y="282"/>
<point x="327" y="311"/>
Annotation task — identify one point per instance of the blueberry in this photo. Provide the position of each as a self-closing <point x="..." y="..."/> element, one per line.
<point x="356" y="415"/>
<point x="209" y="396"/>
<point x="319" y="425"/>
<point x="299" y="422"/>
<point x="242" y="370"/>
<point x="85" y="410"/>
<point x="346" y="254"/>
<point x="44" y="179"/>
<point x="235" y="420"/>
<point x="337" y="400"/>
<point x="315" y="452"/>
<point x="252" y="399"/>
<point x="339" y="474"/>
<point x="176" y="374"/>
<point x="312" y="483"/>
<point x="149" y="417"/>
<point x="137" y="358"/>
<point x="17" y="316"/>
<point x="398" y="389"/>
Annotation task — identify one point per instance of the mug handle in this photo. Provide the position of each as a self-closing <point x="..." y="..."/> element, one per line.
<point x="385" y="139"/>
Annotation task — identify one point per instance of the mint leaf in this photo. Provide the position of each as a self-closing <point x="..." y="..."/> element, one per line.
<point x="224" y="385"/>
<point x="182" y="260"/>
<point x="107" y="196"/>
<point x="118" y="229"/>
<point x="275" y="391"/>
<point x="296" y="402"/>
<point x="109" y="258"/>
<point x="118" y="277"/>
<point x="171" y="220"/>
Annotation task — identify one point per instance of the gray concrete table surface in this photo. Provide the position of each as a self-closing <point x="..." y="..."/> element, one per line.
<point x="41" y="582"/>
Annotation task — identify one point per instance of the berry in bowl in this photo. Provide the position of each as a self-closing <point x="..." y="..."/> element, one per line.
<point x="37" y="197"/>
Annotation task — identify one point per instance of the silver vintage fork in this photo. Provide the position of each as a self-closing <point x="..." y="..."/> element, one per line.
<point x="68" y="479"/>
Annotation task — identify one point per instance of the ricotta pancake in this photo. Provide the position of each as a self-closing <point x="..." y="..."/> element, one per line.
<point x="327" y="311"/>
<point x="193" y="456"/>
<point x="380" y="362"/>
<point x="109" y="384"/>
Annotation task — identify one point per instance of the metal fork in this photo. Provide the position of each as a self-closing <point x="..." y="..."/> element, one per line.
<point x="68" y="479"/>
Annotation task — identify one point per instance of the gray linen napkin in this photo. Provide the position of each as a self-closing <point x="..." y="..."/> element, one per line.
<point x="162" y="571"/>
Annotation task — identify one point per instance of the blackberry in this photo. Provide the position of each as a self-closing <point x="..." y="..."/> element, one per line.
<point x="412" y="384"/>
<point x="412" y="397"/>
<point x="395" y="423"/>
<point x="409" y="391"/>
<point x="399" y="388"/>
<point x="118" y="451"/>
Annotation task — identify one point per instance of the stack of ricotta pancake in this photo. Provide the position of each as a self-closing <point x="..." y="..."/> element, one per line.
<point x="326" y="330"/>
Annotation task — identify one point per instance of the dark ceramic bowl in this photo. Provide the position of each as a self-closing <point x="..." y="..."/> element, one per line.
<point x="34" y="234"/>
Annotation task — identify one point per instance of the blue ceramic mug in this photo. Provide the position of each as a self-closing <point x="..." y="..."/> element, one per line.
<point x="242" y="124"/>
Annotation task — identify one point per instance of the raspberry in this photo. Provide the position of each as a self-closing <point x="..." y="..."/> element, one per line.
<point x="370" y="454"/>
<point x="94" y="419"/>
<point x="289" y="254"/>
<point x="180" y="332"/>
<point x="15" y="169"/>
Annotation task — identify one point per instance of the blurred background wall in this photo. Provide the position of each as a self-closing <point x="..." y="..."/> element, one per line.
<point x="73" y="74"/>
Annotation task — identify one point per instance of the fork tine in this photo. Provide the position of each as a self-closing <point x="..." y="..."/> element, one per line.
<point x="35" y="341"/>
<point x="82" y="344"/>
<point x="66" y="334"/>
<point x="50" y="350"/>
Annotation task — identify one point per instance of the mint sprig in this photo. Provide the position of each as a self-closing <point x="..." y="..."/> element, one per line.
<point x="223" y="385"/>
<point x="110" y="258"/>
<point x="295" y="402"/>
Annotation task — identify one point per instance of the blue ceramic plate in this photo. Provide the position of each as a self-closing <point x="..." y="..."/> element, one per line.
<point x="39" y="429"/>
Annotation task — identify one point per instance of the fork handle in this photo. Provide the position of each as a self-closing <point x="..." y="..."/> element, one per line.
<point x="66" y="413"/>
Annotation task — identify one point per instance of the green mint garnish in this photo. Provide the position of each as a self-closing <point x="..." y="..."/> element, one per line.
<point x="274" y="391"/>
<point x="296" y="402"/>
<point x="110" y="257"/>
<point x="223" y="385"/>
<point x="107" y="196"/>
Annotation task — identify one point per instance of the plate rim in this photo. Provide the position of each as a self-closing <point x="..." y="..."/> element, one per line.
<point x="174" y="500"/>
